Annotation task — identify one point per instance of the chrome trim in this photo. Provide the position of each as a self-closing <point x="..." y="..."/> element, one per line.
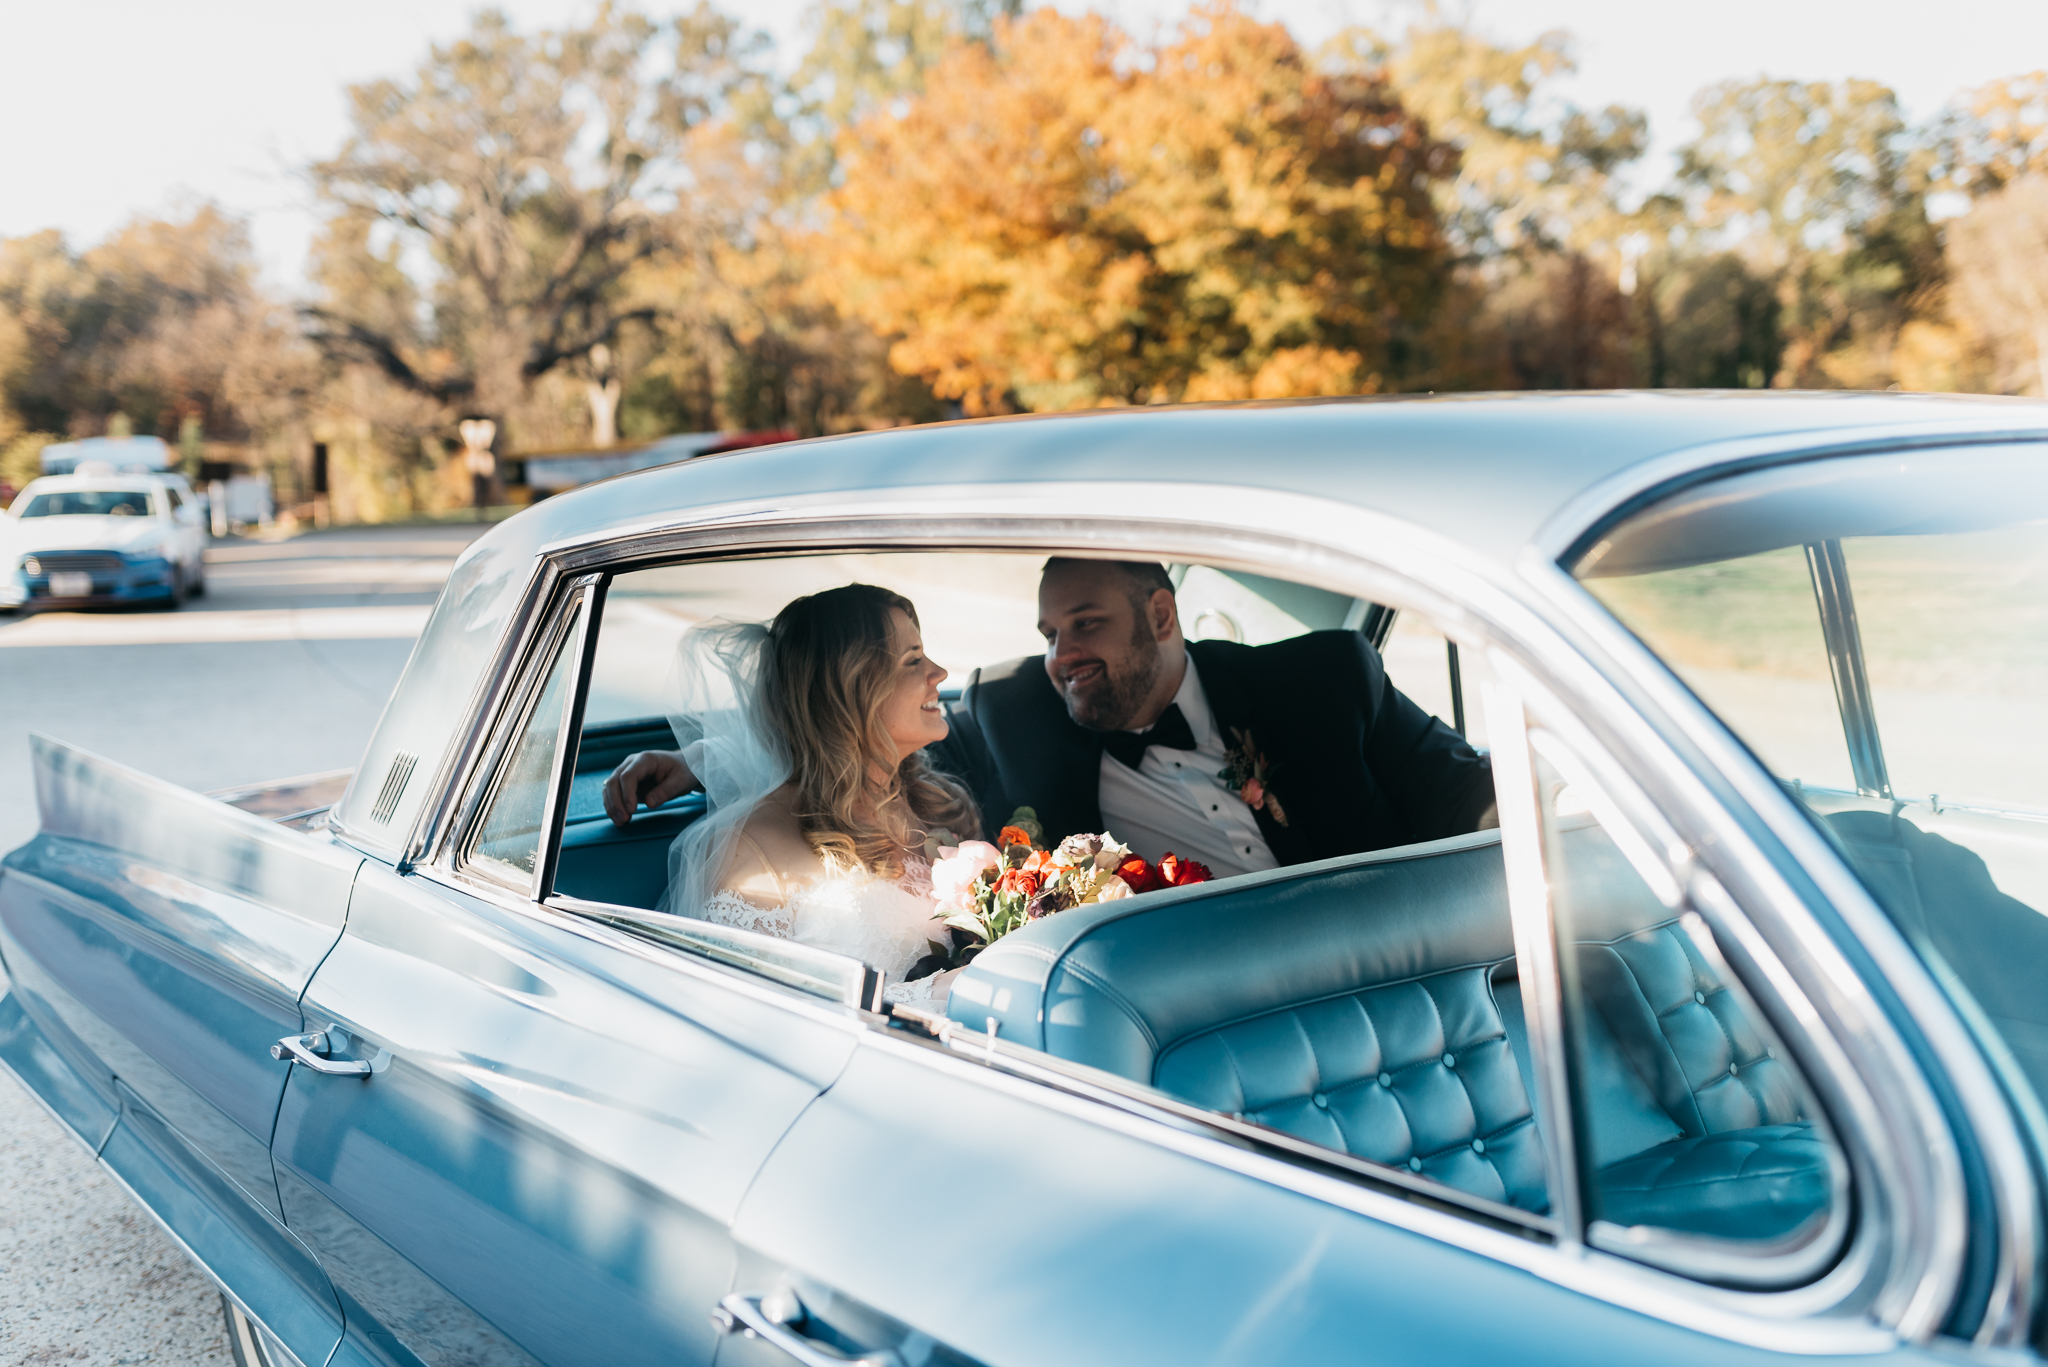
<point x="1784" y="922"/>
<point x="1829" y="570"/>
<point x="584" y="594"/>
<point x="818" y="972"/>
<point x="1619" y="494"/>
<point x="1352" y="551"/>
<point x="769" y="1318"/>
<point x="555" y="633"/>
<point x="1536" y="969"/>
<point x="311" y="1050"/>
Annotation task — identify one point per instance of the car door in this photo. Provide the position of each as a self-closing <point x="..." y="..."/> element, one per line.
<point x="529" y="1131"/>
<point x="159" y="941"/>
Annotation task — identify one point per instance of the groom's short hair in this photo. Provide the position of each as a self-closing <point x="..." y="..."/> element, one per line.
<point x="1142" y="578"/>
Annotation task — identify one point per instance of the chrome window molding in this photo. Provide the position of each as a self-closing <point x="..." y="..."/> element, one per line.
<point x="587" y="595"/>
<point x="1784" y="1017"/>
<point x="1565" y="535"/>
<point x="1654" y="692"/>
<point x="1472" y="599"/>
<point x="1853" y="1056"/>
<point x="562" y="630"/>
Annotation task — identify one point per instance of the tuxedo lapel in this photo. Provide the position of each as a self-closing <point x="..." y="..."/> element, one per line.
<point x="1234" y="705"/>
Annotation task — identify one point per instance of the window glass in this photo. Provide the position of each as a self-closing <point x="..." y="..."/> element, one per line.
<point x="508" y="838"/>
<point x="1943" y="612"/>
<point x="1419" y="663"/>
<point x="1955" y="639"/>
<point x="1745" y="635"/>
<point x="177" y="499"/>
<point x="1692" y="1122"/>
<point x="89" y="503"/>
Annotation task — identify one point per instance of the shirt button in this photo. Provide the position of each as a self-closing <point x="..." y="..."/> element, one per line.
<point x="1214" y="808"/>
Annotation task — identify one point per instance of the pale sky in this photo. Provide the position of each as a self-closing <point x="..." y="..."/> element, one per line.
<point x="109" y="108"/>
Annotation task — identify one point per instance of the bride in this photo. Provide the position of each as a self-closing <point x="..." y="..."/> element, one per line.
<point x="807" y="736"/>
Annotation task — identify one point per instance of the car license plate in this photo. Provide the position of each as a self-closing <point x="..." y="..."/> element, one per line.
<point x="70" y="585"/>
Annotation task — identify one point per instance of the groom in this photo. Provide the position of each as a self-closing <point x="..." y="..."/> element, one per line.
<point x="1240" y="757"/>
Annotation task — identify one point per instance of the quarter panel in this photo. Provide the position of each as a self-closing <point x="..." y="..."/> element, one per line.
<point x="543" y="1165"/>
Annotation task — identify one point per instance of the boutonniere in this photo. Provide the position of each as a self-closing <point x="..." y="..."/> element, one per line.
<point x="1247" y="769"/>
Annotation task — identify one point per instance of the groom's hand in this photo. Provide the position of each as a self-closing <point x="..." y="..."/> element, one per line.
<point x="650" y="776"/>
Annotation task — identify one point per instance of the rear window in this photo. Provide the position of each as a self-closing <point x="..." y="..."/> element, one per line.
<point x="89" y="503"/>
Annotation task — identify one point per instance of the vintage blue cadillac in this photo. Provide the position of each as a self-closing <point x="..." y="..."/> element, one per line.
<point x="1729" y="1042"/>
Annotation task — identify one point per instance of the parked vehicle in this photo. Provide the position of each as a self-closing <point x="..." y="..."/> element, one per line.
<point x="100" y="538"/>
<point x="1727" y="1046"/>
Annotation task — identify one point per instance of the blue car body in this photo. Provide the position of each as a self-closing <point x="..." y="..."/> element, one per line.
<point x="540" y="1129"/>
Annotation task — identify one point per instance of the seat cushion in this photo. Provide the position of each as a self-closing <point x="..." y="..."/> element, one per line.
<point x="1752" y="1184"/>
<point x="1417" y="1075"/>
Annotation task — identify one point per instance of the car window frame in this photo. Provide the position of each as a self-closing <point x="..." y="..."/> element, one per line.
<point x="1338" y="547"/>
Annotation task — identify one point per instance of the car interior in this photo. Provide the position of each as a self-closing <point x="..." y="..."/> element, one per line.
<point x="1364" y="1013"/>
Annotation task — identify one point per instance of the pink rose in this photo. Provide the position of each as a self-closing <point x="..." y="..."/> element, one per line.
<point x="1254" y="794"/>
<point x="957" y="870"/>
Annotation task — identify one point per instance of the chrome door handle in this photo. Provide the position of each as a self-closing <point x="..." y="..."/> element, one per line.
<point x="311" y="1049"/>
<point x="769" y="1318"/>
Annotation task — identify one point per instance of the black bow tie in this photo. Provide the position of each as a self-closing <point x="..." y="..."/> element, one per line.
<point x="1171" y="730"/>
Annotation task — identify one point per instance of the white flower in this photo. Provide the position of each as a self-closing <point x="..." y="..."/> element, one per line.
<point x="1112" y="888"/>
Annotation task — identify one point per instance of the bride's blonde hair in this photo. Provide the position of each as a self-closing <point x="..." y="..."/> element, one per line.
<point x="830" y="672"/>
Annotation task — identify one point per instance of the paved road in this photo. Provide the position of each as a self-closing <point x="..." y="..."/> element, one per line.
<point x="280" y="670"/>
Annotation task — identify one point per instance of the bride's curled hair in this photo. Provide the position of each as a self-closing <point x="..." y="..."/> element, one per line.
<point x="829" y="672"/>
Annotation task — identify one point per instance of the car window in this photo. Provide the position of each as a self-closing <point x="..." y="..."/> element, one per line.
<point x="507" y="843"/>
<point x="1439" y="678"/>
<point x="1876" y="629"/>
<point x="89" y="503"/>
<point x="1695" y="1131"/>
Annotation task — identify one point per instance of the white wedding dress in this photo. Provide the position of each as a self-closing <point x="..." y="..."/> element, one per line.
<point x="746" y="863"/>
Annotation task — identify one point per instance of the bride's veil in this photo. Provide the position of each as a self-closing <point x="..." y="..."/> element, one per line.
<point x="716" y="689"/>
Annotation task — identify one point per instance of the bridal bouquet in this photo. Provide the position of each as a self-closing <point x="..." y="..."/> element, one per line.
<point x="988" y="890"/>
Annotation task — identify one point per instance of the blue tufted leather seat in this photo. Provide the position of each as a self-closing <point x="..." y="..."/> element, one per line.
<point x="1369" y="1004"/>
<point x="1349" y="1002"/>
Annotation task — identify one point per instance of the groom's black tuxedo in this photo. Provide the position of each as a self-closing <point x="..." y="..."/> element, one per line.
<point x="1355" y="764"/>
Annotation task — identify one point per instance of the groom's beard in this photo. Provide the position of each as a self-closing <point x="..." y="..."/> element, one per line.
<point x="1111" y="701"/>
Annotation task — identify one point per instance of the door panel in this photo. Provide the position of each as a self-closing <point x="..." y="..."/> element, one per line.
<point x="169" y="936"/>
<point x="1013" y="1231"/>
<point x="558" y="1130"/>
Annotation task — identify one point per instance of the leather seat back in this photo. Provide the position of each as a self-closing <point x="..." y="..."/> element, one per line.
<point x="1348" y="1002"/>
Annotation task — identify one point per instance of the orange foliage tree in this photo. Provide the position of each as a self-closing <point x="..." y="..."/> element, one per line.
<point x="1065" y="218"/>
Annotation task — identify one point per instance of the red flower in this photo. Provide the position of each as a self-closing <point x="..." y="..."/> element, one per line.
<point x="1177" y="872"/>
<point x="1023" y="881"/>
<point x="1012" y="835"/>
<point x="1141" y="876"/>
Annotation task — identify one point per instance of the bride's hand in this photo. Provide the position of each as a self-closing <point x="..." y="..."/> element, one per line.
<point x="649" y="776"/>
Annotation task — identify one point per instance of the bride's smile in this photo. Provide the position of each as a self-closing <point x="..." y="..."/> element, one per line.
<point x="913" y="716"/>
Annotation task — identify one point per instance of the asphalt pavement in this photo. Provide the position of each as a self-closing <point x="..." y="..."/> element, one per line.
<point x="279" y="670"/>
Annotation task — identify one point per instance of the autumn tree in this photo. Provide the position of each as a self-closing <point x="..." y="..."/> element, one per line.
<point x="534" y="174"/>
<point x="1995" y="134"/>
<point x="1065" y="219"/>
<point x="1998" y="255"/>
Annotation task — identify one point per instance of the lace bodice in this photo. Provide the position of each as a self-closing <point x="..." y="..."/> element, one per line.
<point x="885" y="924"/>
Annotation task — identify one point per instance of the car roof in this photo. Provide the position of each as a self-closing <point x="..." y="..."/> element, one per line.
<point x="45" y="483"/>
<point x="1495" y="472"/>
<point x="1487" y="470"/>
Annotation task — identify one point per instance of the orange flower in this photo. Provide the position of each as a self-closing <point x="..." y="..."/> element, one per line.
<point x="1023" y="881"/>
<point x="1012" y="835"/>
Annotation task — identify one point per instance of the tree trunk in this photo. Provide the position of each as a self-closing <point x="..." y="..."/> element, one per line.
<point x="604" y="410"/>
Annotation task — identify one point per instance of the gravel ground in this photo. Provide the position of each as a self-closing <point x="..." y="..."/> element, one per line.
<point x="88" y="1278"/>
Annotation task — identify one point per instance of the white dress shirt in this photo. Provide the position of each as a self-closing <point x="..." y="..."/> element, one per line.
<point x="1174" y="801"/>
